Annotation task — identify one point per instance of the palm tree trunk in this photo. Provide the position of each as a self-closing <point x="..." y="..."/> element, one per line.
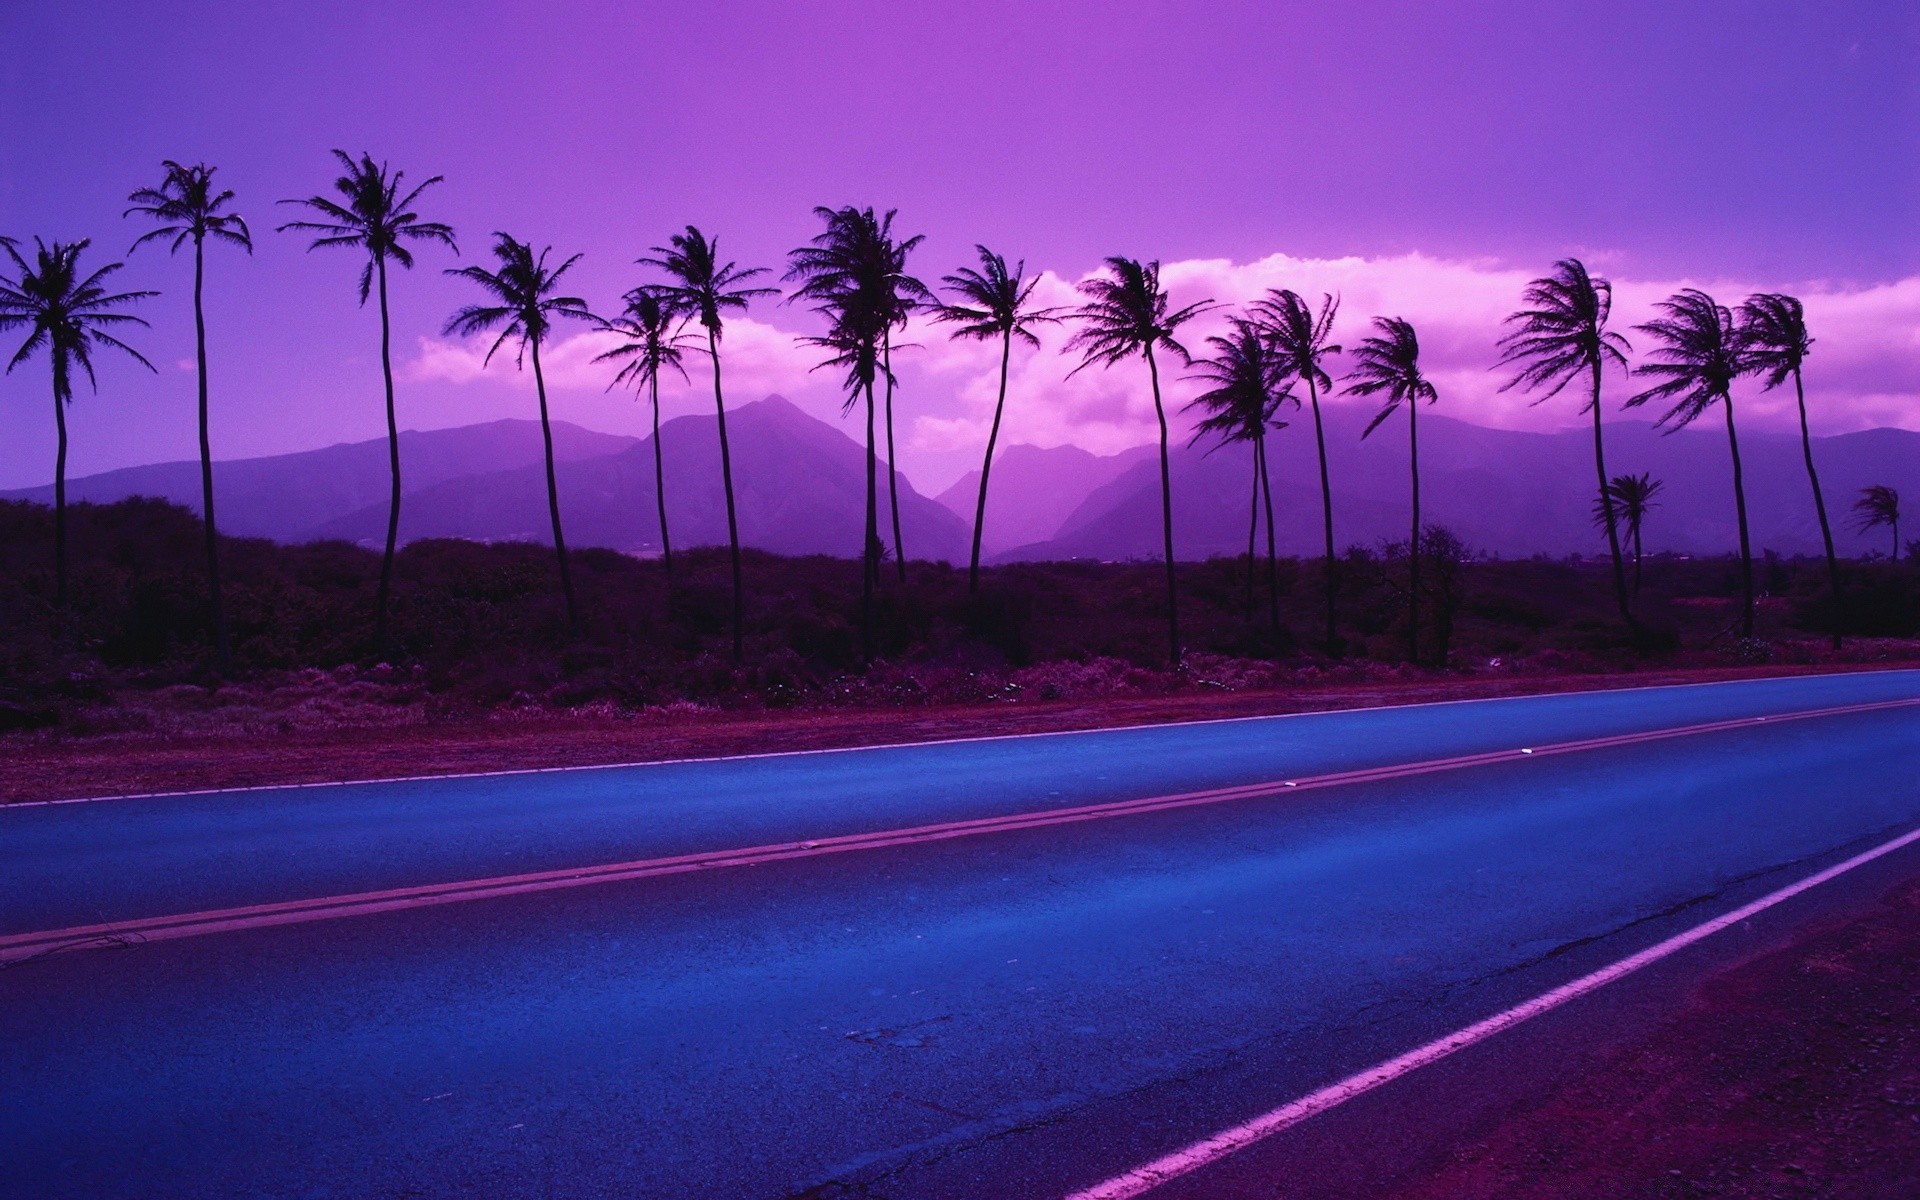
<point x="870" y="553"/>
<point x="60" y="480"/>
<point x="1273" y="558"/>
<point x="660" y="480"/>
<point x="986" y="467"/>
<point x="1166" y="516"/>
<point x="726" y="481"/>
<point x="1326" y="512"/>
<point x="553" y="491"/>
<point x="1740" y="504"/>
<point x="1253" y="527"/>
<point x="1638" y="553"/>
<point x="393" y="465"/>
<point x="1606" y="508"/>
<point x="222" y="654"/>
<point x="893" y="469"/>
<point x="1413" y="543"/>
<point x="1820" y="509"/>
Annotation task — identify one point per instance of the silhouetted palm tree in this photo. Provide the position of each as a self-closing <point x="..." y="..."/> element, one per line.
<point x="1243" y="403"/>
<point x="848" y="273"/>
<point x="524" y="288"/>
<point x="1879" y="505"/>
<point x="1696" y="361"/>
<point x="1127" y="312"/>
<point x="707" y="289"/>
<point x="651" y="328"/>
<point x="902" y="294"/>
<point x="1631" y="497"/>
<point x="1299" y="336"/>
<point x="374" y="215"/>
<point x="1774" y="343"/>
<point x="1388" y="365"/>
<point x="1560" y="336"/>
<point x="68" y="313"/>
<point x="189" y="209"/>
<point x="995" y="303"/>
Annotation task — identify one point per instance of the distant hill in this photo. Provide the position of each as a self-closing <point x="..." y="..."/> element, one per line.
<point x="290" y="497"/>
<point x="800" y="487"/>
<point x="1034" y="490"/>
<point x="1507" y="492"/>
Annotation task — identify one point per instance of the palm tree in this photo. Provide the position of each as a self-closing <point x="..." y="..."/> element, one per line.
<point x="1299" y="336"/>
<point x="68" y="313"/>
<point x="1879" y="505"/>
<point x="848" y="272"/>
<point x="1631" y="499"/>
<point x="651" y="328"/>
<point x="1774" y="342"/>
<point x="524" y="288"/>
<point x="1697" y="359"/>
<point x="188" y="208"/>
<point x="373" y="214"/>
<point x="1242" y="405"/>
<point x="995" y="303"/>
<point x="1127" y="312"/>
<point x="901" y="294"/>
<point x="706" y="288"/>
<point x="1388" y="364"/>
<point x="1561" y="335"/>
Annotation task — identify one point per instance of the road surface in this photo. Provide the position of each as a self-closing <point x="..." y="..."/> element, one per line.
<point x="1029" y="996"/>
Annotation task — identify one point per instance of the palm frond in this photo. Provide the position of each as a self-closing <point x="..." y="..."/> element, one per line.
<point x="1128" y="312"/>
<point x="372" y="215"/>
<point x="1772" y="336"/>
<point x="524" y="286"/>
<point x="1298" y="335"/>
<point x="1696" y="357"/>
<point x="995" y="301"/>
<point x="1561" y="333"/>
<point x="1388" y="363"/>
<point x="66" y="311"/>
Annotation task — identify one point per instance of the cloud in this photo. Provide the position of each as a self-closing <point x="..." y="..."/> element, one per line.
<point x="1864" y="371"/>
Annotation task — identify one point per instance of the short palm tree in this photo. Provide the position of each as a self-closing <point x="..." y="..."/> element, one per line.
<point x="700" y="284"/>
<point x="1298" y="335"/>
<point x="1387" y="364"/>
<point x="69" y="313"/>
<point x="1127" y="313"/>
<point x="1879" y="505"/>
<point x="650" y="328"/>
<point x="190" y="209"/>
<point x="1560" y="336"/>
<point x="1696" y="358"/>
<point x="1631" y="498"/>
<point x="1248" y="389"/>
<point x="374" y="213"/>
<point x="1774" y="342"/>
<point x="994" y="303"/>
<point x="524" y="306"/>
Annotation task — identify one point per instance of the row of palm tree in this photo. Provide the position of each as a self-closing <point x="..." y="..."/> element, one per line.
<point x="854" y="274"/>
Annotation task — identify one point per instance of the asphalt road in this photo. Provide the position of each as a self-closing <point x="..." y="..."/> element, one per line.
<point x="1007" y="1014"/>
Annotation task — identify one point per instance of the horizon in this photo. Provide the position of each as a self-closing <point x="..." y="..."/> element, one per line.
<point x="1431" y="201"/>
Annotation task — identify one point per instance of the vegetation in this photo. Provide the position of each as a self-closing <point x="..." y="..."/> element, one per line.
<point x="1879" y="505"/>
<point x="373" y="214"/>
<point x="1388" y="364"/>
<point x="1300" y="337"/>
<point x="650" y="328"/>
<point x="187" y="208"/>
<point x="1632" y="498"/>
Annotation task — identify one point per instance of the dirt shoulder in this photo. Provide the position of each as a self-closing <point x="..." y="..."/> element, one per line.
<point x="1793" y="1075"/>
<point x="58" y="767"/>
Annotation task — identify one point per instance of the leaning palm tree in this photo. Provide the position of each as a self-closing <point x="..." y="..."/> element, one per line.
<point x="1561" y="335"/>
<point x="1127" y="312"/>
<point x="373" y="214"/>
<point x="1299" y="336"/>
<point x="650" y="328"/>
<point x="1774" y="342"/>
<point x="1696" y="360"/>
<point x="1388" y="365"/>
<point x="524" y="307"/>
<point x="706" y="288"/>
<point x="1631" y="498"/>
<point x="188" y="208"/>
<point x="68" y="313"/>
<point x="1879" y="505"/>
<point x="1243" y="403"/>
<point x="995" y="303"/>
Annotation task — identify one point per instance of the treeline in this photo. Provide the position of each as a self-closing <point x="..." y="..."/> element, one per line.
<point x="856" y="273"/>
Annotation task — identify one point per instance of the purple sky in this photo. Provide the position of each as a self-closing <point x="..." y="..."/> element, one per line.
<point x="1423" y="158"/>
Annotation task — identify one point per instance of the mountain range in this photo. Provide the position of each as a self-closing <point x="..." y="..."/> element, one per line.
<point x="800" y="489"/>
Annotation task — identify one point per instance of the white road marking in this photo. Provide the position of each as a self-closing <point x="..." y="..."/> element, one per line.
<point x="1145" y="1178"/>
